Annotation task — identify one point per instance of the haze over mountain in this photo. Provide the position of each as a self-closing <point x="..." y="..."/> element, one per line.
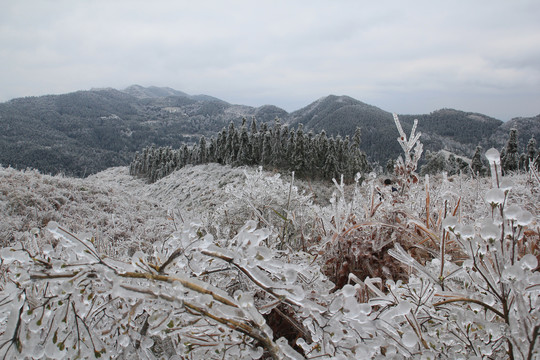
<point x="85" y="132"/>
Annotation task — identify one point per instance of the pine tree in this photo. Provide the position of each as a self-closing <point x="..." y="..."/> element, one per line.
<point x="266" y="156"/>
<point x="221" y="147"/>
<point x="277" y="150"/>
<point x="477" y="165"/>
<point x="357" y="138"/>
<point x="244" y="152"/>
<point x="230" y="148"/>
<point x="211" y="154"/>
<point x="298" y="159"/>
<point x="510" y="161"/>
<point x="253" y="127"/>
<point x="255" y="148"/>
<point x="435" y="163"/>
<point x="202" y="151"/>
<point x="321" y="148"/>
<point x="531" y="153"/>
<point x="330" y="169"/>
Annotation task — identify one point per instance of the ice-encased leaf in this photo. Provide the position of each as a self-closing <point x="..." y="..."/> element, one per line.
<point x="524" y="218"/>
<point x="466" y="231"/>
<point x="506" y="185"/>
<point x="123" y="340"/>
<point x="512" y="273"/>
<point x="493" y="155"/>
<point x="450" y="223"/>
<point x="409" y="339"/>
<point x="512" y="212"/>
<point x="348" y="290"/>
<point x="336" y="305"/>
<point x="290" y="275"/>
<point x="403" y="308"/>
<point x="256" y="352"/>
<point x="147" y="342"/>
<point x="229" y="312"/>
<point x="495" y="196"/>
<point x="529" y="262"/>
<point x="489" y="230"/>
<point x="287" y="350"/>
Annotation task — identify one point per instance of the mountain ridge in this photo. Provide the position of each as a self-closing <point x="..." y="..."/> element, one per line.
<point x="83" y="132"/>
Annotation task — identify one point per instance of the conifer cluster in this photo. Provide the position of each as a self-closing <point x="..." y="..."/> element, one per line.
<point x="278" y="147"/>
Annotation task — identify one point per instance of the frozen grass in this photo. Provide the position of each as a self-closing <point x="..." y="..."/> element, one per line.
<point x="225" y="257"/>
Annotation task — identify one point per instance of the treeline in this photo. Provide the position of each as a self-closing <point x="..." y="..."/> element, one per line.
<point x="510" y="157"/>
<point x="316" y="156"/>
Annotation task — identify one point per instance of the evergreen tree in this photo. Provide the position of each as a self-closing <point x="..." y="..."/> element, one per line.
<point x="330" y="169"/>
<point x="291" y="150"/>
<point x="202" y="155"/>
<point x="435" y="163"/>
<point x="477" y="165"/>
<point x="321" y="151"/>
<point x="221" y="147"/>
<point x="212" y="150"/>
<point x="253" y="127"/>
<point x="357" y="138"/>
<point x="316" y="156"/>
<point x="255" y="148"/>
<point x="298" y="159"/>
<point x="266" y="155"/>
<point x="244" y="152"/>
<point x="230" y="148"/>
<point x="531" y="153"/>
<point x="277" y="150"/>
<point x="510" y="161"/>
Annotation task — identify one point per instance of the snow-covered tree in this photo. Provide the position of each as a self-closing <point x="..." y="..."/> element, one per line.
<point x="510" y="159"/>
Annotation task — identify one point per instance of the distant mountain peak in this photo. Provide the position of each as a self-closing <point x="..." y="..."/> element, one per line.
<point x="152" y="92"/>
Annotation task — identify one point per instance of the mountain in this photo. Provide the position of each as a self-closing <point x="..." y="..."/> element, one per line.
<point x="84" y="132"/>
<point x="456" y="131"/>
<point x="341" y="115"/>
<point x="453" y="130"/>
<point x="152" y="92"/>
<point x="526" y="127"/>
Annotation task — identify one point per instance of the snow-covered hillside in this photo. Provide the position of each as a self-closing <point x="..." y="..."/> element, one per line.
<point x="120" y="210"/>
<point x="220" y="262"/>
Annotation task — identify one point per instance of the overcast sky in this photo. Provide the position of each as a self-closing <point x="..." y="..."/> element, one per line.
<point x="408" y="57"/>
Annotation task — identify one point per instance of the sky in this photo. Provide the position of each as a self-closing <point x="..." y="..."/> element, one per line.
<point x="408" y="57"/>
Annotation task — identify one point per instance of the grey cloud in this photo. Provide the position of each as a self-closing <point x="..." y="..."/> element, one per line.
<point x="281" y="52"/>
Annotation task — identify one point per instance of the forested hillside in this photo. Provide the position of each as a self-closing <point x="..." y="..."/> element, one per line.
<point x="87" y="131"/>
<point x="84" y="132"/>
